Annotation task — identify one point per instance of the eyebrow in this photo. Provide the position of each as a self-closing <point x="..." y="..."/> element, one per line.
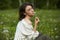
<point x="30" y="8"/>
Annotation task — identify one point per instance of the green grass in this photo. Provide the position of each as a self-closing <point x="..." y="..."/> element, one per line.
<point x="49" y="23"/>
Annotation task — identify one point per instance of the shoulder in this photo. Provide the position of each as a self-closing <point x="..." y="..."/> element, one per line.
<point x="20" y="23"/>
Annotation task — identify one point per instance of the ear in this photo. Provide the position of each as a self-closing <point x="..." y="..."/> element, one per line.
<point x="24" y="13"/>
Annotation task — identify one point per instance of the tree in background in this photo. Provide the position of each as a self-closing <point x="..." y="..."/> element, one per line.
<point x="8" y="4"/>
<point x="41" y="4"/>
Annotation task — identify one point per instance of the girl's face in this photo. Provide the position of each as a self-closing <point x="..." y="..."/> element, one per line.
<point x="29" y="11"/>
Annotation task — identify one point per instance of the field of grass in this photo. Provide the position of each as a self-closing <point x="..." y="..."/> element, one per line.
<point x="49" y="23"/>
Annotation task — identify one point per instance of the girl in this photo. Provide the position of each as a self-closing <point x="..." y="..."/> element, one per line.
<point x="25" y="30"/>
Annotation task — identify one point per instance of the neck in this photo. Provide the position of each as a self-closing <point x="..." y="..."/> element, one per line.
<point x="27" y="18"/>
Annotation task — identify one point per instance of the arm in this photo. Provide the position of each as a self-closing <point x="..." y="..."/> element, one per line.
<point x="35" y="24"/>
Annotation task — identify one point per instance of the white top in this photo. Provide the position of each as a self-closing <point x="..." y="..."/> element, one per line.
<point x="24" y="31"/>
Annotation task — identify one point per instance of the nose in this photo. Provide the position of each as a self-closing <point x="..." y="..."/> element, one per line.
<point x="32" y="10"/>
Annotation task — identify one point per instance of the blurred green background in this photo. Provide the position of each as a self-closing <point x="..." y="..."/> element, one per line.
<point x="48" y="12"/>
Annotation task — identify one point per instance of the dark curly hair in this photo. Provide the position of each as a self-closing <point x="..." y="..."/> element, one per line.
<point x="22" y="10"/>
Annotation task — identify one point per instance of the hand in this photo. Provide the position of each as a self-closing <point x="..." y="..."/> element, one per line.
<point x="36" y="20"/>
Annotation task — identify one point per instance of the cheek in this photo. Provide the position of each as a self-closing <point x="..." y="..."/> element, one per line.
<point x="30" y="12"/>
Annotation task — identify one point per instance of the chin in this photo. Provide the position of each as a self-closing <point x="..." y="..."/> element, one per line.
<point x="32" y="15"/>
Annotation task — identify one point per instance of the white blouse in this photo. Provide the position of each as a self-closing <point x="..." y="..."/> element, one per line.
<point x="24" y="31"/>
